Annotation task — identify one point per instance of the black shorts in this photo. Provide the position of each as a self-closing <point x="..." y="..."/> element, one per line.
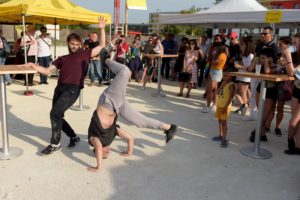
<point x="271" y="93"/>
<point x="106" y="136"/>
<point x="296" y="93"/>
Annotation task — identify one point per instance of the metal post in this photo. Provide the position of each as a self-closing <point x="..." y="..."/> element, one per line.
<point x="6" y="153"/>
<point x="158" y="92"/>
<point x="80" y="107"/>
<point x="256" y="151"/>
<point x="27" y="92"/>
<point x="126" y="19"/>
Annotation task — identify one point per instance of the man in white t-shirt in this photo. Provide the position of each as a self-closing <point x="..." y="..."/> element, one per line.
<point x="44" y="52"/>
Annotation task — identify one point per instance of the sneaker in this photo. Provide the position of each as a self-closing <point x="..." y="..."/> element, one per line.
<point x="104" y="54"/>
<point x="171" y="132"/>
<point x="206" y="109"/>
<point x="214" y="108"/>
<point x="74" y="141"/>
<point x="224" y="143"/>
<point x="50" y="149"/>
<point x="278" y="132"/>
<point x="46" y="83"/>
<point x="217" y="138"/>
<point x="263" y="138"/>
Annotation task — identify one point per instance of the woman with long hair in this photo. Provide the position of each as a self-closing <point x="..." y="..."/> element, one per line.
<point x="189" y="72"/>
<point x="294" y="123"/>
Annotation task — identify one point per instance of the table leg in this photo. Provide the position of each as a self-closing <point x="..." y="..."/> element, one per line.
<point x="158" y="93"/>
<point x="256" y="151"/>
<point x="6" y="153"/>
<point x="80" y="107"/>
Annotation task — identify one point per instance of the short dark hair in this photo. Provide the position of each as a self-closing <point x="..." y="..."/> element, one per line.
<point x="43" y="28"/>
<point x="122" y="36"/>
<point x="269" y="52"/>
<point x="286" y="40"/>
<point x="73" y="36"/>
<point x="268" y="28"/>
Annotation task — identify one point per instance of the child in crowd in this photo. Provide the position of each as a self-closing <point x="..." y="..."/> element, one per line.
<point x="225" y="96"/>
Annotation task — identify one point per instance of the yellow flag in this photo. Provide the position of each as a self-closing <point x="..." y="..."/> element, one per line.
<point x="137" y="4"/>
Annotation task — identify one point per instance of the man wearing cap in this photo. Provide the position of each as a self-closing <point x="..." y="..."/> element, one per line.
<point x="44" y="52"/>
<point x="234" y="50"/>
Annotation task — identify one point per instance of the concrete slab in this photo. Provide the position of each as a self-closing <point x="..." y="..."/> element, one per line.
<point x="191" y="167"/>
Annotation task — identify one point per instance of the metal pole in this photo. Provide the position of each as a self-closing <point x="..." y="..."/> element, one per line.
<point x="6" y="153"/>
<point x="25" y="48"/>
<point x="256" y="151"/>
<point x="126" y="19"/>
<point x="5" y="146"/>
<point x="80" y="107"/>
<point x="158" y="93"/>
<point x="55" y="38"/>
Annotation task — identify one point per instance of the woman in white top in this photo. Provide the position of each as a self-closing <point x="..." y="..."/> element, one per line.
<point x="247" y="45"/>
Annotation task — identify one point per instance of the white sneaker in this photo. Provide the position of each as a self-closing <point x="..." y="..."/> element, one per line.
<point x="214" y="108"/>
<point x="251" y="117"/>
<point x="206" y="109"/>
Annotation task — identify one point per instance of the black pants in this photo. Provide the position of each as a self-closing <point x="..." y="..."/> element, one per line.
<point x="64" y="97"/>
<point x="30" y="76"/>
<point x="165" y="71"/>
<point x="201" y="68"/>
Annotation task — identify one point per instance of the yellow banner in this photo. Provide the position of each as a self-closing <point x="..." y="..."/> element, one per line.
<point x="137" y="4"/>
<point x="273" y="17"/>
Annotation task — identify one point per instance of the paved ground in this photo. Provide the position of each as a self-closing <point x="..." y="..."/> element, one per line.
<point x="192" y="167"/>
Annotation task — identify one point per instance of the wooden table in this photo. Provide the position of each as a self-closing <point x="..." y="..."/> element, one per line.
<point x="256" y="151"/>
<point x="159" y="56"/>
<point x="8" y="152"/>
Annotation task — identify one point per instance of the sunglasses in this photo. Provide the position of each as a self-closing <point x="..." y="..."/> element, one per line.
<point x="265" y="33"/>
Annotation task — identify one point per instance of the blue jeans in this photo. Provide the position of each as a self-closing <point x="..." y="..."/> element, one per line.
<point x="44" y="62"/>
<point x="95" y="67"/>
<point x="7" y="77"/>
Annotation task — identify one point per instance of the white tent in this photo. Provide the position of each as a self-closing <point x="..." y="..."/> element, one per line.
<point x="232" y="14"/>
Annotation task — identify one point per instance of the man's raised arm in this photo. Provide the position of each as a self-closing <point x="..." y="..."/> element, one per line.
<point x="96" y="50"/>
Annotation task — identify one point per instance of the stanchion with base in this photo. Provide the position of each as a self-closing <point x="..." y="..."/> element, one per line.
<point x="256" y="151"/>
<point x="158" y="92"/>
<point x="80" y="107"/>
<point x="27" y="92"/>
<point x="6" y="152"/>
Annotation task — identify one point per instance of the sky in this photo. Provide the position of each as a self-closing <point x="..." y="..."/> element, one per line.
<point x="138" y="16"/>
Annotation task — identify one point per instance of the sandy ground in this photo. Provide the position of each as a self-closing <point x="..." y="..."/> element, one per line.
<point x="191" y="167"/>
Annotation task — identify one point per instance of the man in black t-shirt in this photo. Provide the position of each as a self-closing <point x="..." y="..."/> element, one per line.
<point x="267" y="41"/>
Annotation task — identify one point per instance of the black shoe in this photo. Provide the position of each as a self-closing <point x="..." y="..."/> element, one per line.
<point x="171" y="132"/>
<point x="267" y="130"/>
<point x="217" y="138"/>
<point x="278" y="132"/>
<point x="74" y="141"/>
<point x="224" y="143"/>
<point x="46" y="83"/>
<point x="252" y="137"/>
<point x="50" y="149"/>
<point x="40" y="83"/>
<point x="295" y="151"/>
<point x="104" y="54"/>
<point x="263" y="138"/>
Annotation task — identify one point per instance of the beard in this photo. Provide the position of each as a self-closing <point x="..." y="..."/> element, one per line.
<point x="73" y="50"/>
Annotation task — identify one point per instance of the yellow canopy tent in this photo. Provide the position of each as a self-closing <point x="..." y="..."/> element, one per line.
<point x="48" y="12"/>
